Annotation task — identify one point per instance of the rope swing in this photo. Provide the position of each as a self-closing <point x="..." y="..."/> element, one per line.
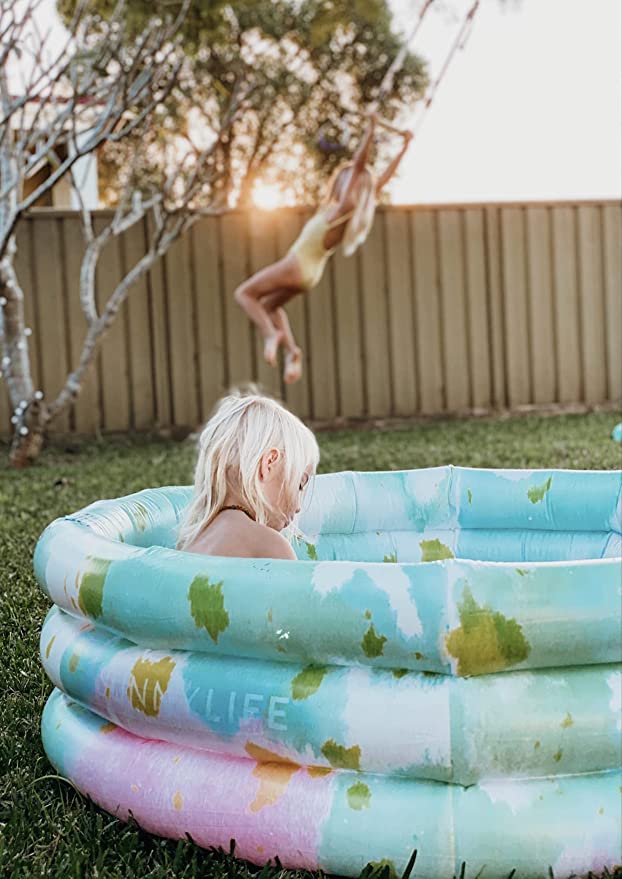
<point x="387" y="83"/>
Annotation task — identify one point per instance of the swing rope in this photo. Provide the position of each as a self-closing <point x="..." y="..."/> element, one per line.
<point x="388" y="79"/>
<point x="459" y="43"/>
<point x="398" y="62"/>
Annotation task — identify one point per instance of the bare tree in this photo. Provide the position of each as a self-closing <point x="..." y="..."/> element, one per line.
<point x="99" y="89"/>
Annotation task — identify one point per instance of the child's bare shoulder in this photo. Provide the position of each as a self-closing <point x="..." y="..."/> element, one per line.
<point x="270" y="544"/>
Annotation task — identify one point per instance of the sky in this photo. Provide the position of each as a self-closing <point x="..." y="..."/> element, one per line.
<point x="531" y="109"/>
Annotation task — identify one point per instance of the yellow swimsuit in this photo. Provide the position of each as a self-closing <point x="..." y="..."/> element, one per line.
<point x="309" y="248"/>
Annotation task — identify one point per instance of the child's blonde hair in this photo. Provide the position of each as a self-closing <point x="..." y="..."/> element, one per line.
<point x="243" y="427"/>
<point x="359" y="225"/>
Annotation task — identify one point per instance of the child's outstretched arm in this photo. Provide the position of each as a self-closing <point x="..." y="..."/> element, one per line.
<point x="359" y="163"/>
<point x="361" y="156"/>
<point x="392" y="167"/>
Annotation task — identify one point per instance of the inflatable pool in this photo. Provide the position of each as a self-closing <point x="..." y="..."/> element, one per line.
<point x="339" y="821"/>
<point x="411" y="724"/>
<point x="442" y="628"/>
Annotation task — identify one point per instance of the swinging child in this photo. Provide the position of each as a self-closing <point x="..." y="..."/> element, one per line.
<point x="345" y="217"/>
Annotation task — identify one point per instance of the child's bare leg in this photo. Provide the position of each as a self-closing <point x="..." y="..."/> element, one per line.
<point x="293" y="353"/>
<point x="246" y="295"/>
<point x="273" y="303"/>
<point x="281" y="279"/>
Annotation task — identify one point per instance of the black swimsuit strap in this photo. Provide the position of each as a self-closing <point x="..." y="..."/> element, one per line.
<point x="241" y="509"/>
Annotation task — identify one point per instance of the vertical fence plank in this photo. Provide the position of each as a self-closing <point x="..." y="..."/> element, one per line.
<point x="210" y="329"/>
<point x="114" y="367"/>
<point x="515" y="306"/>
<point x="401" y="321"/>
<point x="86" y="414"/>
<point x="375" y="321"/>
<point x="495" y="306"/>
<point x="478" y="329"/>
<point x="428" y="348"/>
<point x="139" y="336"/>
<point x="543" y="342"/>
<point x="158" y="307"/>
<point x="262" y="252"/>
<point x="321" y="338"/>
<point x="183" y="366"/>
<point x="592" y="304"/>
<point x="351" y="389"/>
<point x="238" y="327"/>
<point x="48" y="289"/>
<point x="298" y="395"/>
<point x="454" y="317"/>
<point x="612" y="235"/>
<point x="566" y="305"/>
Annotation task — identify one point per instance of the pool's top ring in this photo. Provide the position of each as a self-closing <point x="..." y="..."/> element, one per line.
<point x="546" y="594"/>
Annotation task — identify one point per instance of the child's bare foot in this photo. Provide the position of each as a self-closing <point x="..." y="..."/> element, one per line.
<point x="293" y="366"/>
<point x="271" y="346"/>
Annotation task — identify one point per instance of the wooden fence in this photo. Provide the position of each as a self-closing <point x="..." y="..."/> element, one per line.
<point x="445" y="309"/>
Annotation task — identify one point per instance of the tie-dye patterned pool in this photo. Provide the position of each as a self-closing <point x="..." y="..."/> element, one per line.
<point x="440" y="671"/>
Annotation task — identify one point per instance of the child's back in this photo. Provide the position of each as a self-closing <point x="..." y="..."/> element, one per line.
<point x="232" y="533"/>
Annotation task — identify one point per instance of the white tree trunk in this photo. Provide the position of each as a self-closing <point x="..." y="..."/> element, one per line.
<point x="108" y="97"/>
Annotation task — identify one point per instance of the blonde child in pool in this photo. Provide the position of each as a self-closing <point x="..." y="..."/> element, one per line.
<point x="255" y="461"/>
<point x="345" y="217"/>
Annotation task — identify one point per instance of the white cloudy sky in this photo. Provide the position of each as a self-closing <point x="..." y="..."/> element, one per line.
<point x="531" y="109"/>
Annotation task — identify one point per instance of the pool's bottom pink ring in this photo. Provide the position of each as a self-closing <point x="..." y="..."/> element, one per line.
<point x="336" y="820"/>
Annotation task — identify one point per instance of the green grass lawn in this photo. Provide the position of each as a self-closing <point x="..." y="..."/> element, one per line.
<point x="50" y="830"/>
